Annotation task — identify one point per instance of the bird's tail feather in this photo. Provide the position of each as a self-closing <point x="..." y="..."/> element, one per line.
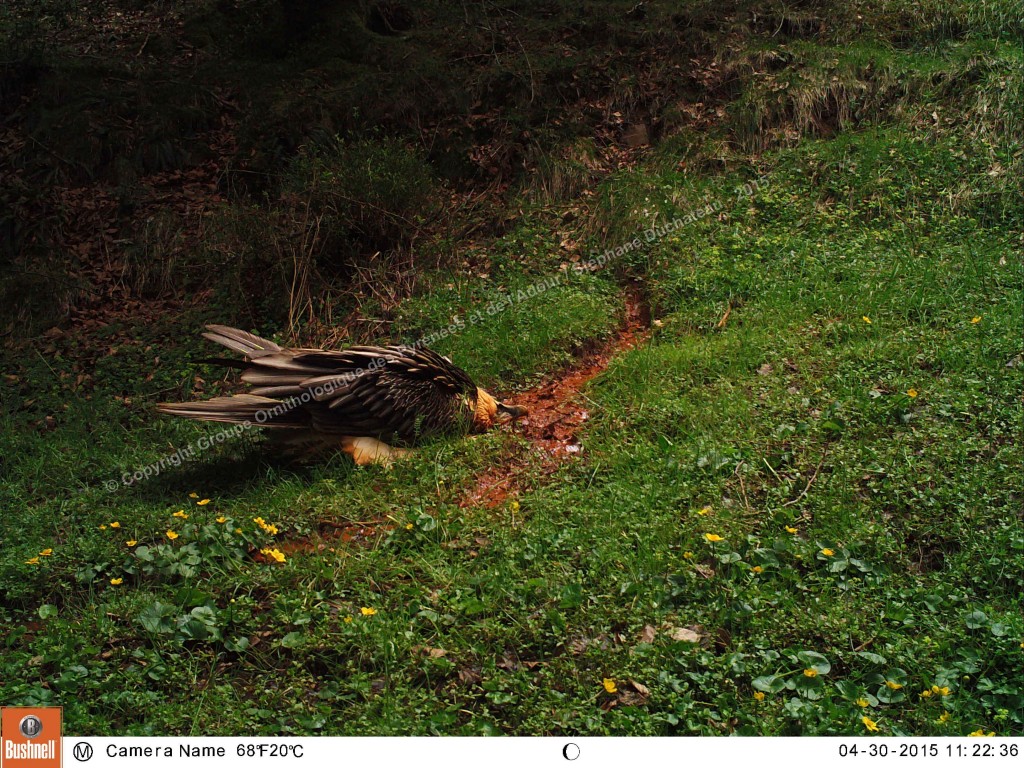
<point x="249" y="344"/>
<point x="241" y="409"/>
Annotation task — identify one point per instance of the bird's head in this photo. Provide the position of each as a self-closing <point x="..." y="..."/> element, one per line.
<point x="489" y="411"/>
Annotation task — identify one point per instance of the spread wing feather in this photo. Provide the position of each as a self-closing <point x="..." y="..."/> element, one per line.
<point x="394" y="393"/>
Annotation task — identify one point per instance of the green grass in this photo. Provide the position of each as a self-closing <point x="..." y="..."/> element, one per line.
<point x="796" y="414"/>
<point x="849" y="439"/>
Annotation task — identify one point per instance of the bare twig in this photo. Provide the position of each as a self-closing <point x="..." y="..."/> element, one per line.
<point x="721" y="323"/>
<point x="814" y="475"/>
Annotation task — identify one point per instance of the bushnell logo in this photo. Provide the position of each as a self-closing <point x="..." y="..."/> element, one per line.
<point x="30" y="737"/>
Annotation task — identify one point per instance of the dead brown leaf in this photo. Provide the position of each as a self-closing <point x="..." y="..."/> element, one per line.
<point x="685" y="635"/>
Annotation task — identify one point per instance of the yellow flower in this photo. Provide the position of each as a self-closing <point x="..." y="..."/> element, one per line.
<point x="46" y="552"/>
<point x="115" y="582"/>
<point x="867" y="320"/>
<point x="911" y="393"/>
<point x="713" y="537"/>
<point x="180" y="513"/>
<point x="408" y="526"/>
<point x="171" y="535"/>
<point x="892" y="686"/>
<point x="689" y="556"/>
<point x="131" y="543"/>
<point x="609" y="685"/>
<point x="274" y="554"/>
<point x="926" y="694"/>
<point x="862" y="702"/>
<point x="981" y="732"/>
<point x="943" y="691"/>
<point x="238" y="530"/>
<point x="790" y="529"/>
<point x="348" y="619"/>
<point x="368" y="611"/>
<point x="704" y="511"/>
<point x="976" y="319"/>
<point x="870" y="724"/>
<point x="193" y="495"/>
<point x="810" y="672"/>
<point x="203" y="502"/>
<point x="944" y="717"/>
<point x="758" y="695"/>
<point x="514" y="506"/>
<point x="103" y="527"/>
<point x="757" y="569"/>
<point x="267" y="527"/>
<point x="33" y="561"/>
<point x="222" y="519"/>
<point x="115" y="524"/>
<point x="828" y="552"/>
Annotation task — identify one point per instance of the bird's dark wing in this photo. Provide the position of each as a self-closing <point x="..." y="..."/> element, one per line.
<point x="392" y="393"/>
<point x="400" y="393"/>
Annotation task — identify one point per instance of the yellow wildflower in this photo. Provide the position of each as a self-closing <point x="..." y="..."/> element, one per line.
<point x="171" y="535"/>
<point x="944" y="717"/>
<point x="713" y="537"/>
<point x="180" y="513"/>
<point x="757" y="569"/>
<point x="193" y="495"/>
<point x="408" y="526"/>
<point x="609" y="685"/>
<point x="810" y="672"/>
<point x="758" y="695"/>
<point x="116" y="582"/>
<point x="238" y="530"/>
<point x="862" y="702"/>
<point x="943" y="691"/>
<point x="203" y="502"/>
<point x="790" y="529"/>
<point x="976" y="319"/>
<point x="514" y="506"/>
<point x="222" y="519"/>
<point x="892" y="686"/>
<point x="46" y="552"/>
<point x="704" y="511"/>
<point x="867" y="320"/>
<point x="115" y="524"/>
<point x="926" y="694"/>
<point x="348" y="619"/>
<point x="828" y="552"/>
<point x="103" y="527"/>
<point x="131" y="543"/>
<point x="689" y="556"/>
<point x="911" y="393"/>
<point x="368" y="611"/>
<point x="33" y="561"/>
<point x="981" y="732"/>
<point x="870" y="724"/>
<point x="259" y="521"/>
<point x="274" y="554"/>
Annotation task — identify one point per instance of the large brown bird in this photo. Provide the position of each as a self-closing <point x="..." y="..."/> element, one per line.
<point x="363" y="400"/>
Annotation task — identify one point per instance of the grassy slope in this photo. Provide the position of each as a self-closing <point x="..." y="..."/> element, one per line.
<point x="794" y="415"/>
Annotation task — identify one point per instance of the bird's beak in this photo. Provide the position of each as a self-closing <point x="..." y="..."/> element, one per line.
<point x="512" y="411"/>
